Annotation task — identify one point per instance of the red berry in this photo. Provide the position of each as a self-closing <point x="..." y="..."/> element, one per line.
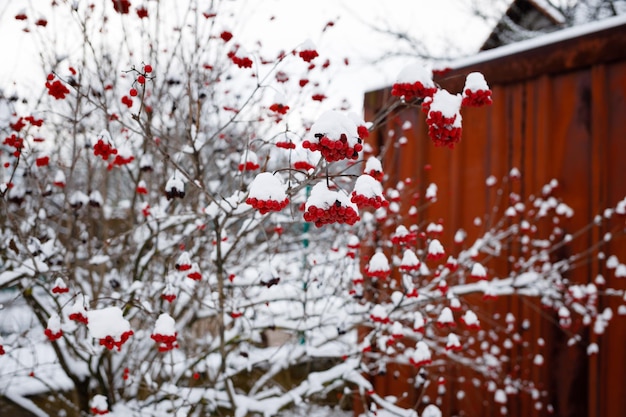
<point x="147" y="69"/>
<point x="141" y="79"/>
<point x="133" y="92"/>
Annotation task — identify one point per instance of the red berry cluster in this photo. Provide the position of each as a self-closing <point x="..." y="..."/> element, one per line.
<point x="265" y="206"/>
<point x="418" y="364"/>
<point x="127" y="101"/>
<point x="183" y="267"/>
<point x="303" y="165"/>
<point x="42" y="161"/>
<point x="442" y="130"/>
<point x="475" y="325"/>
<point x="99" y="412"/>
<point x="377" y="175"/>
<point x="336" y="213"/>
<point x="334" y="150"/>
<point x="166" y="342"/>
<point x="411" y="91"/>
<point x="18" y="125"/>
<point x="142" y="12"/>
<point x="363" y="131"/>
<point x="381" y="273"/>
<point x="53" y="336"/>
<point x="476" y="98"/>
<point x="406" y="239"/>
<point x="412" y="293"/>
<point x="287" y="144"/>
<point x="168" y="297"/>
<point x="195" y="275"/>
<point x="279" y="108"/>
<point x="60" y="290"/>
<point x="377" y="319"/>
<point x="248" y="166"/>
<point x="14" y="142"/>
<point x="121" y="6"/>
<point x="56" y="88"/>
<point x="244" y="62"/>
<point x="435" y="256"/>
<point x="104" y="150"/>
<point x="33" y="121"/>
<point x="79" y="317"/>
<point x="363" y="201"/>
<point x="110" y="343"/>
<point x="120" y="160"/>
<point x="409" y="268"/>
<point x="308" y="55"/>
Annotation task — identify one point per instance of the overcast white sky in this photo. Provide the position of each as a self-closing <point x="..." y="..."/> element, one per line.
<point x="446" y="26"/>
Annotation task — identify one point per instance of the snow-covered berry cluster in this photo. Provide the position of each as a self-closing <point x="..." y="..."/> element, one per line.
<point x="444" y="119"/>
<point x="368" y="192"/>
<point x="99" y="405"/>
<point x="414" y="82"/>
<point x="249" y="161"/>
<point x="325" y="207"/>
<point x="109" y="326"/>
<point x="336" y="136"/>
<point x="60" y="287"/>
<point x="175" y="187"/>
<point x="476" y="92"/>
<point x="378" y="266"/>
<point x="165" y="333"/>
<point x="267" y="193"/>
<point x="53" y="330"/>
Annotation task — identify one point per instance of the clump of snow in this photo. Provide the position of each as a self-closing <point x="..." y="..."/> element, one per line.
<point x="54" y="323"/>
<point x="421" y="355"/>
<point x="448" y="104"/>
<point x="322" y="197"/>
<point x="165" y="325"/>
<point x="416" y="72"/>
<point x="431" y="410"/>
<point x="491" y="181"/>
<point x="446" y="318"/>
<point x="431" y="192"/>
<point x="266" y="186"/>
<point x="332" y="124"/>
<point x="409" y="260"/>
<point x="500" y="396"/>
<point x="373" y="164"/>
<point x="418" y="321"/>
<point x="175" y="186"/>
<point x="453" y="342"/>
<point x="107" y="321"/>
<point x="435" y="250"/>
<point x="475" y="81"/>
<point x="99" y="404"/>
<point x="367" y="186"/>
<point x="478" y="271"/>
<point x="470" y="319"/>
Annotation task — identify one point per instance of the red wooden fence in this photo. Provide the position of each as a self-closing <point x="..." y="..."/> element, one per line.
<point x="559" y="112"/>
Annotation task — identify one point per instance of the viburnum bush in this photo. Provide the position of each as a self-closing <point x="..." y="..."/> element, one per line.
<point x="173" y="245"/>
